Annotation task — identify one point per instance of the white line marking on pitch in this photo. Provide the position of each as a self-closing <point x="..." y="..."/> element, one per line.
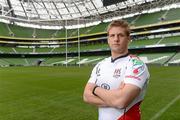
<point x="165" y="108"/>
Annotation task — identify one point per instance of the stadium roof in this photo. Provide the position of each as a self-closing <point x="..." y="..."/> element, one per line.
<point x="59" y="9"/>
<point x="55" y="11"/>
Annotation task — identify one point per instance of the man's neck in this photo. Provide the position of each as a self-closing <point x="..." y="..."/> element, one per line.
<point x="115" y="55"/>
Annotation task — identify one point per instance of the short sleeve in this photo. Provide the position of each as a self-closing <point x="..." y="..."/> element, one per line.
<point x="93" y="76"/>
<point x="136" y="73"/>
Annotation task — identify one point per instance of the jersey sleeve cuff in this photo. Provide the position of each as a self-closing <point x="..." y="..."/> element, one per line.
<point x="130" y="81"/>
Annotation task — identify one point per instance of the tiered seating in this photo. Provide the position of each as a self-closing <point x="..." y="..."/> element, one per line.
<point x="6" y="50"/>
<point x="3" y="30"/>
<point x="70" y="33"/>
<point x="3" y="63"/>
<point x="39" y="50"/>
<point x="97" y="29"/>
<point x="173" y="14"/>
<point x="73" y="60"/>
<point x="82" y="31"/>
<point x="94" y="47"/>
<point x="159" y="58"/>
<point x="150" y="18"/>
<point x="136" y="43"/>
<point x="139" y="20"/>
<point x="15" y="61"/>
<point x="44" y="33"/>
<point x="23" y="50"/>
<point x="152" y="58"/>
<point x="25" y="32"/>
<point x="50" y="61"/>
<point x="21" y="31"/>
<point x="131" y="20"/>
<point x="175" y="40"/>
<point x="89" y="47"/>
<point x="90" y="60"/>
<point x="60" y="49"/>
<point x="171" y="40"/>
<point x="33" y="61"/>
<point x="175" y="59"/>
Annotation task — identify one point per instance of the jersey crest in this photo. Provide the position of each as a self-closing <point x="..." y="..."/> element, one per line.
<point x="117" y="73"/>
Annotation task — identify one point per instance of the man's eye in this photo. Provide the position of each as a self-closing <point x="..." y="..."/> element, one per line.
<point x="121" y="35"/>
<point x="111" y="35"/>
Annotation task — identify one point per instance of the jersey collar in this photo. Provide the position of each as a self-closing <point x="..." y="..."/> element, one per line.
<point x="113" y="60"/>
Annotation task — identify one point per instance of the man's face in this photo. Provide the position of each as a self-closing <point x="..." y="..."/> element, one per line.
<point x="118" y="40"/>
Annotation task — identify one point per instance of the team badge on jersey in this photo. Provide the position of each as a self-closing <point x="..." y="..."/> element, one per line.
<point x="117" y="73"/>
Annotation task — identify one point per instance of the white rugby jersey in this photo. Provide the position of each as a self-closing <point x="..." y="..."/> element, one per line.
<point x="109" y="74"/>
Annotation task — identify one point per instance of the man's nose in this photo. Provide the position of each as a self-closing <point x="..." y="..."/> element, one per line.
<point x="116" y="38"/>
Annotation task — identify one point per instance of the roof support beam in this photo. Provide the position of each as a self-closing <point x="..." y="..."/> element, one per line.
<point x="35" y="9"/>
<point x="10" y="7"/>
<point x="77" y="8"/>
<point x="94" y="6"/>
<point x="46" y="9"/>
<point x="57" y="9"/>
<point x="23" y="9"/>
<point x="67" y="9"/>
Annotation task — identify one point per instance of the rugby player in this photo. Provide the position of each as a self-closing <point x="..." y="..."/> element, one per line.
<point x="117" y="84"/>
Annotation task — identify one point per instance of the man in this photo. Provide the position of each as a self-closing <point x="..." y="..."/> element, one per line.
<point x="117" y="84"/>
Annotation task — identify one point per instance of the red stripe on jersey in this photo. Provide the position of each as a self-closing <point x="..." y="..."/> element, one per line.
<point x="130" y="76"/>
<point x="133" y="113"/>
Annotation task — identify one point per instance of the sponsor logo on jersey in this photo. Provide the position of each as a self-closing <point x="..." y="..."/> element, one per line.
<point x="117" y="73"/>
<point x="131" y="76"/>
<point x="105" y="86"/>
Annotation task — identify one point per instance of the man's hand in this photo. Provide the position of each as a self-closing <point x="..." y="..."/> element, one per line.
<point x="90" y="98"/>
<point x="122" y="85"/>
<point x="120" y="97"/>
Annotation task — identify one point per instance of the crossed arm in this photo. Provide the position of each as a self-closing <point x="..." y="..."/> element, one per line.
<point x="119" y="98"/>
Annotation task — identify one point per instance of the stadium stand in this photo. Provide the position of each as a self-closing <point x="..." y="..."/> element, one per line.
<point x="21" y="31"/>
<point x="44" y="43"/>
<point x="23" y="50"/>
<point x="39" y="50"/>
<point x="156" y="58"/>
<point x="135" y="43"/>
<point x="149" y="18"/>
<point x="144" y="19"/>
<point x="149" y="30"/>
<point x="175" y="59"/>
<point x="170" y="40"/>
<point x="6" y="49"/>
<point x="172" y="15"/>
<point x="3" y="63"/>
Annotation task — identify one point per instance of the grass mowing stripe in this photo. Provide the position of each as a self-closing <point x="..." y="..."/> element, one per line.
<point x="47" y="103"/>
<point x="165" y="108"/>
<point x="55" y="93"/>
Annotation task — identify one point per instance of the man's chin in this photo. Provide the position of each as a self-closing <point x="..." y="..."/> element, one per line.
<point x="118" y="50"/>
<point x="115" y="49"/>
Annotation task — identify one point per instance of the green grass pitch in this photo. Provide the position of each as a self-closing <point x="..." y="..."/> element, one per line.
<point x="55" y="93"/>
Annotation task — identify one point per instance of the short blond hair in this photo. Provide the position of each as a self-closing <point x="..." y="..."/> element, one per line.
<point x="119" y="23"/>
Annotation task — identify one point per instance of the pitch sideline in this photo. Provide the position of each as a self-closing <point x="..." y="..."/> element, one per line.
<point x="165" y="108"/>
